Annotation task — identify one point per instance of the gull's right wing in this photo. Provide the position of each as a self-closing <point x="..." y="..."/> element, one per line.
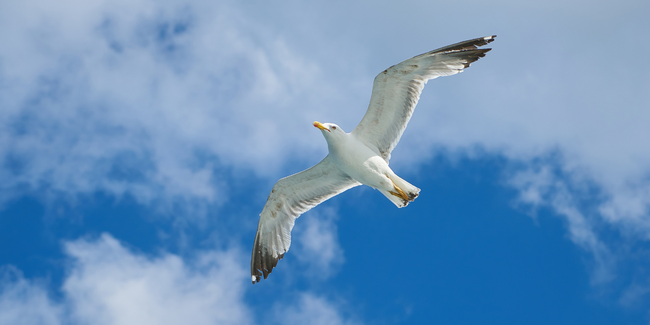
<point x="397" y="89"/>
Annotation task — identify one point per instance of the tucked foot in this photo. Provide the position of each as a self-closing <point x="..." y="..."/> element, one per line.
<point x="400" y="193"/>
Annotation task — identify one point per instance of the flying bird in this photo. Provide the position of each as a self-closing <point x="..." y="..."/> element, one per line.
<point x="361" y="156"/>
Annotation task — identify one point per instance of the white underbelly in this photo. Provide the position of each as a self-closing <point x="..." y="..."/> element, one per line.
<point x="362" y="164"/>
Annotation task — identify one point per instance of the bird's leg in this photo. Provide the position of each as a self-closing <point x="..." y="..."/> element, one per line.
<point x="400" y="193"/>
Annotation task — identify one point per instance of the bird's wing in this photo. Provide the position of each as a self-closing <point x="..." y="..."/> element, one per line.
<point x="291" y="197"/>
<point x="397" y="89"/>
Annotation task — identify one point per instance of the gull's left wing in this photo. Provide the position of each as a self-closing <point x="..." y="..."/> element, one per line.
<point x="397" y="89"/>
<point x="291" y="197"/>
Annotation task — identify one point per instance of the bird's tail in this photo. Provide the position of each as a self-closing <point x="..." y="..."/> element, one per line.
<point x="403" y="192"/>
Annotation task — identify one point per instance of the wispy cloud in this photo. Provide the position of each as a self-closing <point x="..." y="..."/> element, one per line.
<point x="318" y="245"/>
<point x="311" y="309"/>
<point x="107" y="283"/>
<point x="25" y="302"/>
<point x="146" y="98"/>
<point x="540" y="188"/>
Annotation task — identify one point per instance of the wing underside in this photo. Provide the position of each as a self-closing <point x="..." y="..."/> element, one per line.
<point x="291" y="197"/>
<point x="396" y="91"/>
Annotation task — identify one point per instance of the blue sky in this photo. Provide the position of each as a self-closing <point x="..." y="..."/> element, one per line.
<point x="139" y="141"/>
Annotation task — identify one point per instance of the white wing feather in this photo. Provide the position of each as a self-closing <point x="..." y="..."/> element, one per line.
<point x="291" y="197"/>
<point x="397" y="90"/>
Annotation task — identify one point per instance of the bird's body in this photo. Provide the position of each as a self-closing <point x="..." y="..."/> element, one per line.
<point x="361" y="156"/>
<point x="349" y="153"/>
<point x="366" y="166"/>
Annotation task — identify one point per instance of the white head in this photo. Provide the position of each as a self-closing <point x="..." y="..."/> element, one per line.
<point x="330" y="131"/>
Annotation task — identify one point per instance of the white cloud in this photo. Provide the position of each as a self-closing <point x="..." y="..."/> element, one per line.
<point x="107" y="283"/>
<point x="311" y="309"/>
<point x="318" y="245"/>
<point x="25" y="302"/>
<point x="137" y="97"/>
<point x="540" y="188"/>
<point x="110" y="285"/>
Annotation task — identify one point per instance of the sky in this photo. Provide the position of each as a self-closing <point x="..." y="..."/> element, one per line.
<point x="140" y="139"/>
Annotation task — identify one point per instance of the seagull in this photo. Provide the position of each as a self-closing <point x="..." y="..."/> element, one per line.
<point x="361" y="156"/>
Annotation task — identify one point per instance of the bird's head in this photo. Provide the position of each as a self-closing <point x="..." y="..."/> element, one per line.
<point x="330" y="130"/>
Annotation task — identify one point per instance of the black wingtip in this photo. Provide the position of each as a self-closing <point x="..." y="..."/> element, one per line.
<point x="262" y="261"/>
<point x="467" y="50"/>
<point x="468" y="45"/>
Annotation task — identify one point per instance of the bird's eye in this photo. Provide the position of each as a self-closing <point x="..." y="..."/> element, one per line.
<point x="334" y="127"/>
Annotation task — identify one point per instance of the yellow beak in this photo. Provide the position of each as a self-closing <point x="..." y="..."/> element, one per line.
<point x="321" y="126"/>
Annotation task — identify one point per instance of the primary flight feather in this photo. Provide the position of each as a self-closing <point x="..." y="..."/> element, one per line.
<point x="361" y="156"/>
